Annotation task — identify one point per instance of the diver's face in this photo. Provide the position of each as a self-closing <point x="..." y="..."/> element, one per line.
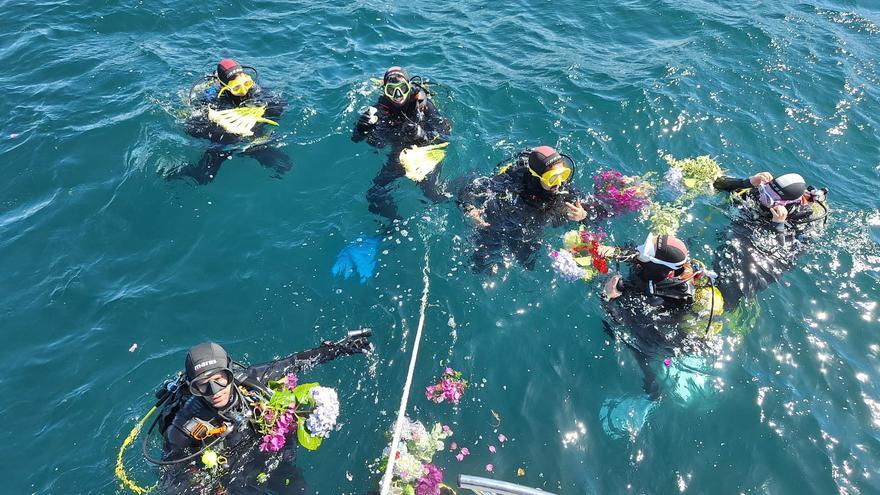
<point x="560" y="168"/>
<point x="397" y="89"/>
<point x="221" y="398"/>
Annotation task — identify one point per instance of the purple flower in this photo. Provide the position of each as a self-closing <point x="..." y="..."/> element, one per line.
<point x="429" y="484"/>
<point x="291" y="381"/>
<point x="272" y="443"/>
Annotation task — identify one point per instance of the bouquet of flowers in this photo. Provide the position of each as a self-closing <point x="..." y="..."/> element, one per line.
<point x="309" y="409"/>
<point x="691" y="176"/>
<point x="450" y="388"/>
<point x="413" y="472"/>
<point x="666" y="218"/>
<point x="580" y="259"/>
<point x="621" y="193"/>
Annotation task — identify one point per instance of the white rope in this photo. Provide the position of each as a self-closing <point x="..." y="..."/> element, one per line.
<point x="401" y="412"/>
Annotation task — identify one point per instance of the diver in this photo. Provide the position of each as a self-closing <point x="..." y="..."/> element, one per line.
<point x="236" y="114"/>
<point x="660" y="288"/>
<point x="214" y="406"/>
<point x="773" y="221"/>
<point x="664" y="308"/>
<point x="511" y="209"/>
<point x="405" y="116"/>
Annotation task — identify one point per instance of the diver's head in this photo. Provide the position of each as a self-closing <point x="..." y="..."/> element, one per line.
<point x="233" y="78"/>
<point x="209" y="373"/>
<point x="784" y="190"/>
<point x="396" y="86"/>
<point x="548" y="167"/>
<point x="662" y="257"/>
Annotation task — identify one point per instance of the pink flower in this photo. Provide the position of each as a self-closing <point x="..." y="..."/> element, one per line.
<point x="667" y="361"/>
<point x="492" y="449"/>
<point x="459" y="456"/>
<point x="291" y="381"/>
<point x="490" y="467"/>
<point x="454" y="446"/>
<point x="465" y="451"/>
<point x="448" y="371"/>
<point x="447" y="429"/>
<point x="502" y="438"/>
<point x="272" y="443"/>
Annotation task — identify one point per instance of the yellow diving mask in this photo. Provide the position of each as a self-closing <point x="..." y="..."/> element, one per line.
<point x="238" y="86"/>
<point x="398" y="90"/>
<point x="554" y="177"/>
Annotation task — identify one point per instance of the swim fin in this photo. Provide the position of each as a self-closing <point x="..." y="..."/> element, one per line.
<point x="418" y="162"/>
<point x="625" y="416"/>
<point x="358" y="256"/>
<point x="686" y="380"/>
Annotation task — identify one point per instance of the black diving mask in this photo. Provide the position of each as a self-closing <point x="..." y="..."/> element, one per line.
<point x="211" y="383"/>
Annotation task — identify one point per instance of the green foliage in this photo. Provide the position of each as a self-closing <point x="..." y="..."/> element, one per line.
<point x="306" y="439"/>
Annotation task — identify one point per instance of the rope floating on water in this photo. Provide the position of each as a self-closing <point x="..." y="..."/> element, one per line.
<point x="120" y="466"/>
<point x="404" y="400"/>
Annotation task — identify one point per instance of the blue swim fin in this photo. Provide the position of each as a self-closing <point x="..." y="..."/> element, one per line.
<point x="625" y="416"/>
<point x="358" y="256"/>
<point x="687" y="379"/>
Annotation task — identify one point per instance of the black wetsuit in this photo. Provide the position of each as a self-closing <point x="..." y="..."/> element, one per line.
<point x="651" y="309"/>
<point x="256" y="146"/>
<point x="756" y="251"/>
<point x="240" y="444"/>
<point x="417" y="123"/>
<point x="518" y="209"/>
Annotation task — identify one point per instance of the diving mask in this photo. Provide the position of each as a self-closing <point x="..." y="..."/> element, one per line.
<point x="768" y="198"/>
<point x="238" y="86"/>
<point x="649" y="249"/>
<point x="554" y="177"/>
<point x="398" y="90"/>
<point x="212" y="383"/>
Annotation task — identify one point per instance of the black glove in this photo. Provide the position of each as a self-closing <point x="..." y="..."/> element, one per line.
<point x="413" y="131"/>
<point x="357" y="341"/>
<point x="369" y="118"/>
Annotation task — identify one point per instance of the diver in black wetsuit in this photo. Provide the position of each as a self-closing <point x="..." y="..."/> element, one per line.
<point x="404" y="116"/>
<point x="232" y="87"/>
<point x="512" y="209"/>
<point x="659" y="289"/>
<point x="215" y="407"/>
<point x="775" y="219"/>
<point x="653" y="300"/>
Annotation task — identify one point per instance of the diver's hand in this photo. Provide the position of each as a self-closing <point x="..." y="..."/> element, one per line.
<point x="414" y="130"/>
<point x="476" y="216"/>
<point x="575" y="211"/>
<point x="761" y="178"/>
<point x="369" y="117"/>
<point x="779" y="213"/>
<point x="611" y="290"/>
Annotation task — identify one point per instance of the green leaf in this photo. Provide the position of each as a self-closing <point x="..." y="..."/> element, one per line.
<point x="306" y="439"/>
<point x="409" y="490"/>
<point x="301" y="392"/>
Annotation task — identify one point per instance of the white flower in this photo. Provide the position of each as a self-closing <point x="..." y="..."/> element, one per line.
<point x="566" y="267"/>
<point x="675" y="178"/>
<point x="322" y="420"/>
<point x="413" y="430"/>
<point x="408" y="468"/>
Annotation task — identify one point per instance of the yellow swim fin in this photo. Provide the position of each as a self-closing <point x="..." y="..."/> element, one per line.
<point x="418" y="162"/>
<point x="240" y="120"/>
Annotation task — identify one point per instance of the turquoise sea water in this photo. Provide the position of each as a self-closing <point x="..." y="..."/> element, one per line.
<point x="99" y="252"/>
